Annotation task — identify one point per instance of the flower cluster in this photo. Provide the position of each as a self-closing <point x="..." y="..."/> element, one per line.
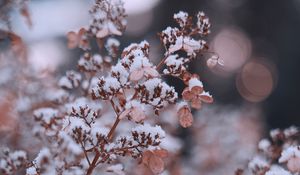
<point x="279" y="155"/>
<point x="78" y="121"/>
<point x="107" y="18"/>
<point x="12" y="161"/>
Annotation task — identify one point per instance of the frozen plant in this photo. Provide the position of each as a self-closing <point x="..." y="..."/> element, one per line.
<point x="278" y="155"/>
<point x="79" y="125"/>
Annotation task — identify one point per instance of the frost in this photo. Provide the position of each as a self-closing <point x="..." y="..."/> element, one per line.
<point x="193" y="82"/>
<point x="148" y="129"/>
<point x="275" y="170"/>
<point x="181" y="17"/>
<point x="31" y="171"/>
<point x="288" y="153"/>
<point x="264" y="145"/>
<point x="45" y="114"/>
<point x="257" y="162"/>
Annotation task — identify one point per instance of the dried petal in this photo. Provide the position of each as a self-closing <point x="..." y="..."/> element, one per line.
<point x="196" y="89"/>
<point x="196" y="103"/>
<point x="72" y="40"/>
<point x="211" y="63"/>
<point x="136" y="75"/>
<point x="150" y="71"/>
<point x="156" y="164"/>
<point x="146" y="156"/>
<point x="185" y="117"/>
<point x="186" y="77"/>
<point x="162" y="153"/>
<point x="293" y="164"/>
<point x="206" y="97"/>
<point x="137" y="115"/>
<point x="187" y="94"/>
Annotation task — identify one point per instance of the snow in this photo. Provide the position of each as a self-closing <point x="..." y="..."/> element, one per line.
<point x="106" y="20"/>
<point x="290" y="131"/>
<point x="139" y="62"/>
<point x="56" y="95"/>
<point x="257" y="162"/>
<point x="112" y="42"/>
<point x="118" y="169"/>
<point x="288" y="153"/>
<point x="69" y="143"/>
<point x="181" y="105"/>
<point x="23" y="104"/>
<point x="182" y="16"/>
<point x="122" y="73"/>
<point x="148" y="129"/>
<point x="194" y="82"/>
<point x="276" y="170"/>
<point x="65" y="82"/>
<point x="31" y="171"/>
<point x="264" y="145"/>
<point x="76" y="123"/>
<point x="151" y="84"/>
<point x="274" y="133"/>
<point x="18" y="154"/>
<point x="111" y="83"/>
<point x="174" y="64"/>
<point x="134" y="103"/>
<point x="45" y="114"/>
<point x="44" y="153"/>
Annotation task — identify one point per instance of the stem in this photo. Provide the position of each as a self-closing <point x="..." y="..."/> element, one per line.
<point x="93" y="165"/>
<point x="161" y="63"/>
<point x="85" y="154"/>
<point x="113" y="128"/>
<point x="109" y="136"/>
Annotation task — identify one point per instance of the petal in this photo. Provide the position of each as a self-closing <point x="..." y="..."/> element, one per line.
<point x="197" y="90"/>
<point x="146" y="156"/>
<point x="156" y="164"/>
<point x="196" y="103"/>
<point x="72" y="40"/>
<point x="137" y="115"/>
<point x="149" y="71"/>
<point x="136" y="75"/>
<point x="206" y="97"/>
<point x="186" y="119"/>
<point x="162" y="153"/>
<point x="187" y="94"/>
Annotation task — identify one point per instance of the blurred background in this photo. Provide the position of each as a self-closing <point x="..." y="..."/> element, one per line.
<point x="258" y="41"/>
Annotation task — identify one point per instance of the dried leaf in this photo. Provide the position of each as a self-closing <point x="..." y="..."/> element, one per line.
<point x="196" y="103"/>
<point x="206" y="98"/>
<point x="146" y="156"/>
<point x="136" y="75"/>
<point x="197" y="89"/>
<point x="187" y="94"/>
<point x="162" y="153"/>
<point x="185" y="117"/>
<point x="72" y="40"/>
<point x="156" y="164"/>
<point x="293" y="164"/>
<point x="149" y="71"/>
<point x="137" y="115"/>
<point x="211" y="63"/>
